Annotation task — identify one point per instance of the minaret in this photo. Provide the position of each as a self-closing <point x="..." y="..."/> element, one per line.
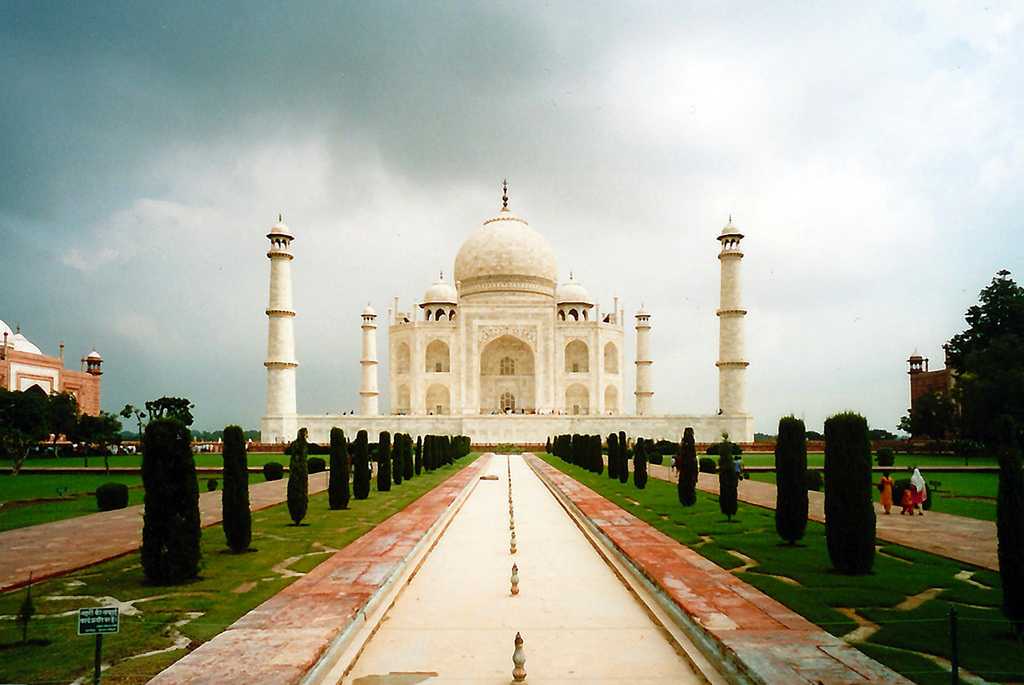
<point x="368" y="392"/>
<point x="280" y="361"/>
<point x="731" y="363"/>
<point x="643" y="363"/>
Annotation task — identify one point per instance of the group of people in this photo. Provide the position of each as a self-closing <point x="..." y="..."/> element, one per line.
<point x="913" y="496"/>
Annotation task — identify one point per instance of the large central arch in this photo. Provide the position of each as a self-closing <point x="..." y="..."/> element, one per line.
<point x="507" y="377"/>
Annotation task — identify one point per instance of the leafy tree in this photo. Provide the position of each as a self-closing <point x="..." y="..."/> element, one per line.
<point x="849" y="511"/>
<point x="1010" y="523"/>
<point x="131" y="412"/>
<point x="988" y="361"/>
<point x="687" y="469"/>
<point x="880" y="434"/>
<point x="815" y="435"/>
<point x="933" y="415"/>
<point x="24" y="422"/>
<point x="235" y="495"/>
<point x="337" y="483"/>
<point x="170" y="549"/>
<point x="97" y="432"/>
<point x="640" y="464"/>
<point x="361" y="467"/>
<point x="384" y="462"/>
<point x="418" y="463"/>
<point x="171" y="408"/>
<point x="791" y="477"/>
<point x="63" y="416"/>
<point x="728" y="481"/>
<point x="298" y="478"/>
<point x="26" y="611"/>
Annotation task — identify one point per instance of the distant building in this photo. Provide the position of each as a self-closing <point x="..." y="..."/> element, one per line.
<point x="23" y="365"/>
<point x="924" y="382"/>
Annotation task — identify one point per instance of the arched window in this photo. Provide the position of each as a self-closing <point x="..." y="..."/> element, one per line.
<point x="577" y="357"/>
<point x="438" y="359"/>
<point x="440" y="313"/>
<point x="561" y="314"/>
<point x="402" y="358"/>
<point x="451" y="315"/>
<point x="575" y="315"/>
<point x="429" y="314"/>
<point x="508" y="402"/>
<point x="611" y="358"/>
<point x="508" y="366"/>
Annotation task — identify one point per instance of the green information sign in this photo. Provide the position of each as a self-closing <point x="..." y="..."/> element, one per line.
<point x="98" y="620"/>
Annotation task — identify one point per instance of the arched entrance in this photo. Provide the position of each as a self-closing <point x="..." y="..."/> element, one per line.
<point x="577" y="400"/>
<point x="507" y="377"/>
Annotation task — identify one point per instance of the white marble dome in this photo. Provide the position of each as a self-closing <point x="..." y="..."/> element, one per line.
<point x="441" y="292"/>
<point x="572" y="292"/>
<point x="23" y="344"/>
<point x="505" y="246"/>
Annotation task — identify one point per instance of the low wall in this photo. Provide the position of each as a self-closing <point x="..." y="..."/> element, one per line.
<point x="515" y="429"/>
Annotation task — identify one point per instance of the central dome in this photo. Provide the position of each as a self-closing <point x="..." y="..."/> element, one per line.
<point x="505" y="247"/>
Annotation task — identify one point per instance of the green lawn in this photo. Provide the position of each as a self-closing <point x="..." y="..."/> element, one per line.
<point x="903" y="461"/>
<point x="230" y="586"/>
<point x="135" y="460"/>
<point x="28" y="499"/>
<point x="801" y="578"/>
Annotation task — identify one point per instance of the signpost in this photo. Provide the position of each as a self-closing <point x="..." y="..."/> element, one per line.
<point x="97" y="621"/>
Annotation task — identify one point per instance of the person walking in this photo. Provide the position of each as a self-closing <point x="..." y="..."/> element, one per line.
<point x="885" y="488"/>
<point x="920" y="491"/>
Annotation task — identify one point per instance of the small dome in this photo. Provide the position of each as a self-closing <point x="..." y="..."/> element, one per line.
<point x="23" y="344"/>
<point x="94" y="355"/>
<point x="280" y="229"/>
<point x="504" y="247"/>
<point x="442" y="292"/>
<point x="730" y="231"/>
<point x="572" y="292"/>
<point x="369" y="311"/>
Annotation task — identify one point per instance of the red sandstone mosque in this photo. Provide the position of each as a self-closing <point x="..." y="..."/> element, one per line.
<point x="23" y="365"/>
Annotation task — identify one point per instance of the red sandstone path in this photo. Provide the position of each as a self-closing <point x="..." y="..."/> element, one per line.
<point x="956" y="537"/>
<point x="53" y="549"/>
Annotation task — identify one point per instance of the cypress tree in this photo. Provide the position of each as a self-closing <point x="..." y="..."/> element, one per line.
<point x="623" y="458"/>
<point x="419" y="454"/>
<point x="397" y="459"/>
<point x="613" y="456"/>
<point x="547" y="445"/>
<point x="791" y="479"/>
<point x="428" y="452"/>
<point x="337" y="483"/>
<point x="384" y="462"/>
<point x="640" y="464"/>
<point x="598" y="455"/>
<point x="687" y="486"/>
<point x="361" y="467"/>
<point x="408" y="469"/>
<point x="727" y="480"/>
<point x="1010" y="523"/>
<point x="170" y="551"/>
<point x="235" y="495"/>
<point x="849" y="511"/>
<point x="298" y="478"/>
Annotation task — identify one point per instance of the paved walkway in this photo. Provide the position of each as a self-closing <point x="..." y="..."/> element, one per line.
<point x="969" y="540"/>
<point x="53" y="549"/>
<point x="279" y="641"/>
<point x="750" y="630"/>
<point x="456" y="620"/>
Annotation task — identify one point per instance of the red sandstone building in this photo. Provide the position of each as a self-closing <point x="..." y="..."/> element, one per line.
<point x="23" y="365"/>
<point x="924" y="382"/>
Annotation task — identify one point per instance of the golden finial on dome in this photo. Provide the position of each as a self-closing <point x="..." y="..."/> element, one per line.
<point x="504" y="195"/>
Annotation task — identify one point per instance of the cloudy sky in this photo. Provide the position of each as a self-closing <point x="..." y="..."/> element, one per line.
<point x="872" y="153"/>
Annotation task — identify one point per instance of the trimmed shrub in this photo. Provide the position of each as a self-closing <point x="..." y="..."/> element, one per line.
<point x="384" y="462"/>
<point x="170" y="551"/>
<point x="337" y="481"/>
<point x="707" y="465"/>
<point x="791" y="479"/>
<point x="596" y="456"/>
<point x="640" y="464"/>
<point x="613" y="456"/>
<point x="1010" y="523"/>
<point x="665" y="448"/>
<point x="298" y="479"/>
<point x="885" y="456"/>
<point x="656" y="458"/>
<point x="547" y="445"/>
<point x="397" y="468"/>
<point x="728" y="481"/>
<point x="418" y="461"/>
<point x="715" y="449"/>
<point x="313" y="448"/>
<point x="361" y="467"/>
<point x="234" y="497"/>
<point x="814" y="480"/>
<point x="408" y="464"/>
<point x="273" y="470"/>
<point x="687" y="486"/>
<point x="316" y="465"/>
<point x="849" y="511"/>
<point x="623" y="458"/>
<point x="111" y="496"/>
<point x="211" y="484"/>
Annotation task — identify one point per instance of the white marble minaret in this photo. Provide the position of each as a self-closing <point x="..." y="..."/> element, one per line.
<point x="643" y="363"/>
<point x="368" y="392"/>
<point x="732" y="365"/>
<point x="279" y="424"/>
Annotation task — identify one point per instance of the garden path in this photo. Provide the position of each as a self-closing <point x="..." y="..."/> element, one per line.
<point x="956" y="537"/>
<point x="53" y="549"/>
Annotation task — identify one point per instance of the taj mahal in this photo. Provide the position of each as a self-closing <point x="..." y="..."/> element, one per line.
<point x="505" y="353"/>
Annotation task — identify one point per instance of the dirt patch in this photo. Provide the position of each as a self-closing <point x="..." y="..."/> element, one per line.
<point x="865" y="628"/>
<point x="914" y="601"/>
<point x="244" y="587"/>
